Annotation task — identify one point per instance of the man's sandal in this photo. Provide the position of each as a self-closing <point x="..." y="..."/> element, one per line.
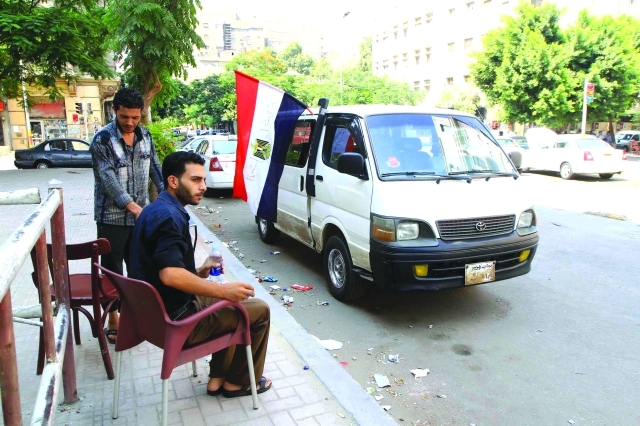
<point x="262" y="387"/>
<point x="113" y="333"/>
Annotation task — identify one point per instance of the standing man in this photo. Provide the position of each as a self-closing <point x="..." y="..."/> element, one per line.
<point x="162" y="254"/>
<point x="124" y="159"/>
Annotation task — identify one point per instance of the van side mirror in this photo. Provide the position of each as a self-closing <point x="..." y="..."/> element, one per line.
<point x="516" y="159"/>
<point x="352" y="163"/>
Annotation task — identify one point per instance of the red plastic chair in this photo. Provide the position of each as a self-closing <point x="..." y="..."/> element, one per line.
<point x="91" y="289"/>
<point x="144" y="318"/>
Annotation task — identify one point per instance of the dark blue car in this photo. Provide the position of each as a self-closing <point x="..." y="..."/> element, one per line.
<point x="63" y="152"/>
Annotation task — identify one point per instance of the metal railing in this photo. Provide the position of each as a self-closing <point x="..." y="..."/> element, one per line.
<point x="58" y="345"/>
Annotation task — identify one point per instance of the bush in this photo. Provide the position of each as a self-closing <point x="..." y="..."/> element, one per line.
<point x="163" y="137"/>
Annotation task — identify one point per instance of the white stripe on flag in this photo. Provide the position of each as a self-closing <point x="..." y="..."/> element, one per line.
<point x="268" y="100"/>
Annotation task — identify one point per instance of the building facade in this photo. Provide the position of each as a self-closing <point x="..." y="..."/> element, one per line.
<point x="428" y="46"/>
<point x="54" y="119"/>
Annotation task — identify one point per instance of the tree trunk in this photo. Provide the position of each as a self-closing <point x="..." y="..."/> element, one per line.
<point x="612" y="131"/>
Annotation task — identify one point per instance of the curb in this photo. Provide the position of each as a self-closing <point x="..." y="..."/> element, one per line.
<point x="349" y="393"/>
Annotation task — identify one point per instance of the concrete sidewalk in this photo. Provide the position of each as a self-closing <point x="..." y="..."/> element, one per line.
<point x="325" y="394"/>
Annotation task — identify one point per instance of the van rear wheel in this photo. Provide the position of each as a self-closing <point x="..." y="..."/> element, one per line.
<point x="344" y="284"/>
<point x="268" y="233"/>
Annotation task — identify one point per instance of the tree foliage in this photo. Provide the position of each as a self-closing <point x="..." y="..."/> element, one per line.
<point x="463" y="98"/>
<point x="155" y="40"/>
<point x="364" y="61"/>
<point x="296" y="60"/>
<point x="535" y="71"/>
<point x="41" y="43"/>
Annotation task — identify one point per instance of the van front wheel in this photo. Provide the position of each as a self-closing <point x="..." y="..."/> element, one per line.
<point x="344" y="284"/>
<point x="268" y="233"/>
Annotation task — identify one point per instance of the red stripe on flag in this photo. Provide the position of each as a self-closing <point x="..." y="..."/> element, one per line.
<point x="246" y="94"/>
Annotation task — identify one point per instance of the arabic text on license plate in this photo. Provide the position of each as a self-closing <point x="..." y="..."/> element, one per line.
<point x="478" y="273"/>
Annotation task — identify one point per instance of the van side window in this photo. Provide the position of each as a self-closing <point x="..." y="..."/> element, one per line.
<point x="337" y="141"/>
<point x="300" y="143"/>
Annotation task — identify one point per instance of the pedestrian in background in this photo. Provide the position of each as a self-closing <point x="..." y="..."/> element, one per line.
<point x="124" y="159"/>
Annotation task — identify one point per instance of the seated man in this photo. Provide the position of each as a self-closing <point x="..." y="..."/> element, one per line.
<point x="162" y="254"/>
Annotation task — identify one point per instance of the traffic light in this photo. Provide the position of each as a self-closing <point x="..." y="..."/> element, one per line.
<point x="79" y="107"/>
<point x="591" y="89"/>
<point x="89" y="109"/>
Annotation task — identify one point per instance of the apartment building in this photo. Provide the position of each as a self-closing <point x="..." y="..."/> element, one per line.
<point x="429" y="46"/>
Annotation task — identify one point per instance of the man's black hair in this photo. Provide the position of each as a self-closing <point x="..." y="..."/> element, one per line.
<point x="174" y="164"/>
<point x="128" y="98"/>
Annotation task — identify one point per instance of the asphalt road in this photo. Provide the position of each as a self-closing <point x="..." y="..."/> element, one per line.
<point x="559" y="344"/>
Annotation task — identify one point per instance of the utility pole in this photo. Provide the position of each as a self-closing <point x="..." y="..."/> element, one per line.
<point x="85" y="115"/>
<point x="25" y="99"/>
<point x="587" y="97"/>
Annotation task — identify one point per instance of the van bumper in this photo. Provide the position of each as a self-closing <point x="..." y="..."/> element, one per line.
<point x="393" y="267"/>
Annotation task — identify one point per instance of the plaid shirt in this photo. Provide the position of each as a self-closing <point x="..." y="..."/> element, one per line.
<point x="122" y="173"/>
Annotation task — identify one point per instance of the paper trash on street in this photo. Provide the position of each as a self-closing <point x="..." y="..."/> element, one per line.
<point x="381" y="380"/>
<point x="330" y="345"/>
<point x="419" y="372"/>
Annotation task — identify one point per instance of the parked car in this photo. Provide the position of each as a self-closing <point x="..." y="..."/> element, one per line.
<point x="509" y="146"/>
<point x="192" y="144"/>
<point x="625" y="138"/>
<point x="577" y="154"/>
<point x="219" y="153"/>
<point x="63" y="152"/>
<point x="521" y="141"/>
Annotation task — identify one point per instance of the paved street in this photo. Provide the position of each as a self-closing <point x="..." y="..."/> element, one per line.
<point x="558" y="344"/>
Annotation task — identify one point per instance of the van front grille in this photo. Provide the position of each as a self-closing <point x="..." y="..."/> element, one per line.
<point x="464" y="229"/>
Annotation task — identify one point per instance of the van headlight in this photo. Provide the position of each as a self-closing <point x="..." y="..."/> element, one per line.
<point x="408" y="231"/>
<point x="392" y="230"/>
<point x="527" y="219"/>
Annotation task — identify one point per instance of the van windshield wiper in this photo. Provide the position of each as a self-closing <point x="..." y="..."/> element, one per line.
<point x="483" y="171"/>
<point x="407" y="174"/>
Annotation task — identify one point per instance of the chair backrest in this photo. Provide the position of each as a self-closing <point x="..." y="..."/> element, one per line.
<point x="142" y="313"/>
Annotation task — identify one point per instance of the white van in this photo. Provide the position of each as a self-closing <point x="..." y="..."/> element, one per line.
<point x="404" y="198"/>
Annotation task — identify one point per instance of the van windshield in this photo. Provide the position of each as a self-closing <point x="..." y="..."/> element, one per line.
<point x="423" y="144"/>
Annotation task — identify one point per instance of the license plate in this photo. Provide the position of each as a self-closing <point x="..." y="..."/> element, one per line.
<point x="478" y="273"/>
<point x="607" y="155"/>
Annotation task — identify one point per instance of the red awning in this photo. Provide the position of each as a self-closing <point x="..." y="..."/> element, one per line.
<point x="49" y="110"/>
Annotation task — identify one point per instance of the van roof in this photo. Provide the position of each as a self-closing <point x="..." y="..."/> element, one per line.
<point x="366" y="110"/>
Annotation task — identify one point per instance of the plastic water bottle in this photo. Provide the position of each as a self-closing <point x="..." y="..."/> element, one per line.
<point x="215" y="273"/>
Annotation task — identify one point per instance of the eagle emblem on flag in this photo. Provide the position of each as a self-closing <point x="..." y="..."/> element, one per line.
<point x="261" y="149"/>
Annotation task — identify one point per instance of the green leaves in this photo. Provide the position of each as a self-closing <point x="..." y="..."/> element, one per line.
<point x="41" y="44"/>
<point x="535" y="71"/>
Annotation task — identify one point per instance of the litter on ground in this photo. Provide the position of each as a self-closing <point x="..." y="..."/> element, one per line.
<point x="302" y="287"/>
<point x="381" y="380"/>
<point x="386" y="407"/>
<point x="378" y="397"/>
<point x="370" y="390"/>
<point x="419" y="372"/>
<point x="270" y="279"/>
<point x="274" y="287"/>
<point x="321" y="303"/>
<point x="274" y="252"/>
<point x="329" y="344"/>
<point x="393" y="358"/>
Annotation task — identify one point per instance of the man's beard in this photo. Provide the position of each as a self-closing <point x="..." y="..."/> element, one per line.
<point x="184" y="196"/>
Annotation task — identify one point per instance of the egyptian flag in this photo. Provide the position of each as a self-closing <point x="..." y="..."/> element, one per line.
<point x="266" y="119"/>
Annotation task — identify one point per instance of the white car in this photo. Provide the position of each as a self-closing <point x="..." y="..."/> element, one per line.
<point x="577" y="154"/>
<point x="219" y="153"/>
<point x="191" y="145"/>
<point x="509" y="146"/>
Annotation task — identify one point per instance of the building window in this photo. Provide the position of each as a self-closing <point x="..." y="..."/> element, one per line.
<point x="470" y="6"/>
<point x="205" y="25"/>
<point x="538" y="3"/>
<point x="395" y="35"/>
<point x="405" y="31"/>
<point x="468" y="43"/>
<point x="404" y="59"/>
<point x="417" y="52"/>
<point x="395" y="62"/>
<point x="416" y="85"/>
<point x="466" y="78"/>
<point x="418" y="21"/>
<point x="385" y="65"/>
<point x="428" y="18"/>
<point x="449" y="81"/>
<point x="487" y="2"/>
<point x="451" y="47"/>
<point x="427" y="86"/>
<point x="427" y="54"/>
<point x="452" y="12"/>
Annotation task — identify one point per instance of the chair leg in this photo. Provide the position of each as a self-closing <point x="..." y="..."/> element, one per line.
<point x="76" y="326"/>
<point x="165" y="402"/>
<point x="194" y="368"/>
<point x="252" y="378"/>
<point x="116" y="387"/>
<point x="40" y="364"/>
<point x="106" y="358"/>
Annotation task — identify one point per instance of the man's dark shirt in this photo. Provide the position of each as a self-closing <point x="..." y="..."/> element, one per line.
<point x="161" y="239"/>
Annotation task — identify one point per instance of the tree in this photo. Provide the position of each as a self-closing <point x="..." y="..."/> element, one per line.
<point x="182" y="94"/>
<point x="523" y="67"/>
<point x="464" y="98"/>
<point x="155" y="40"/>
<point x="605" y="51"/>
<point x="293" y="57"/>
<point x="207" y="106"/>
<point x="364" y="61"/>
<point x="39" y="44"/>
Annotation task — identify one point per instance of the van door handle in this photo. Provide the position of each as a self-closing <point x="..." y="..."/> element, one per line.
<point x="320" y="178"/>
<point x="301" y="183"/>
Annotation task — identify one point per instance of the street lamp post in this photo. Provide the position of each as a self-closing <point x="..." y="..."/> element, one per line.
<point x="341" y="84"/>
